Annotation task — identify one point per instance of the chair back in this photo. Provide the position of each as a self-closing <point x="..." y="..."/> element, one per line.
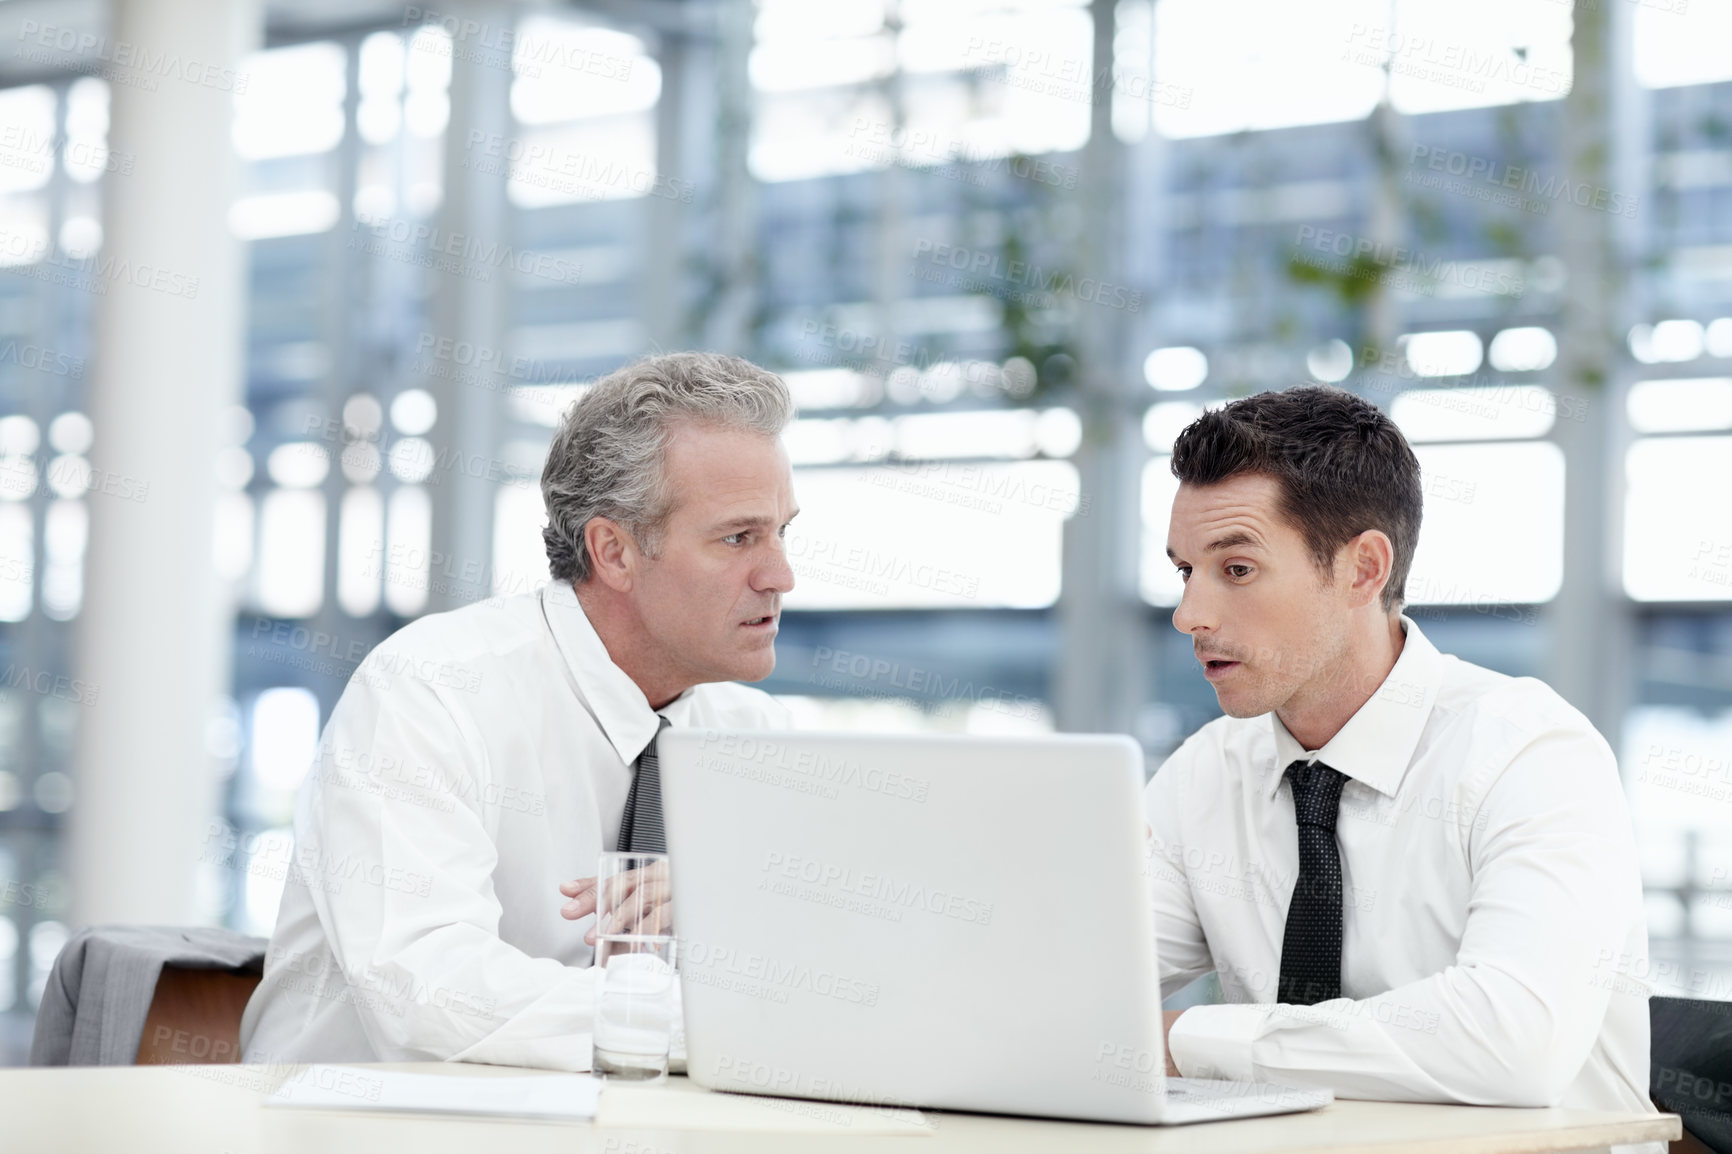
<point x="195" y="1016"/>
<point x="1690" y="1069"/>
<point x="121" y="994"/>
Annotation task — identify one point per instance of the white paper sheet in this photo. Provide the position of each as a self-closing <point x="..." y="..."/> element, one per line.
<point x="565" y="1097"/>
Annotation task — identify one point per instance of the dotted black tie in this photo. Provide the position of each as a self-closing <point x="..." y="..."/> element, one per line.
<point x="641" y="830"/>
<point x="1311" y="948"/>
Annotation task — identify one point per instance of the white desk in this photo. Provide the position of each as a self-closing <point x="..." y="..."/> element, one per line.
<point x="219" y="1110"/>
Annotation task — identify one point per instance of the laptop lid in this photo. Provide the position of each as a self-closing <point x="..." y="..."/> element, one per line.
<point x="957" y="922"/>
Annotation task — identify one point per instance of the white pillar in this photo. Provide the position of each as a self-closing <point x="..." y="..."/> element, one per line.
<point x="1592" y="623"/>
<point x="153" y="633"/>
<point x="733" y="213"/>
<point x="469" y="307"/>
<point x="1101" y="679"/>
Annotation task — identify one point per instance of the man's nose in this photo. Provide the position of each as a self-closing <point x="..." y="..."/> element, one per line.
<point x="1192" y="614"/>
<point x="776" y="575"/>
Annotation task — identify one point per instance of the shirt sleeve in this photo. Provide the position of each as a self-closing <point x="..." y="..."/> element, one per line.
<point x="399" y="850"/>
<point x="1555" y="886"/>
<point x="1180" y="946"/>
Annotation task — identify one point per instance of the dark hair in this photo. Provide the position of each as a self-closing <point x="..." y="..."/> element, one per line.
<point x="1342" y="465"/>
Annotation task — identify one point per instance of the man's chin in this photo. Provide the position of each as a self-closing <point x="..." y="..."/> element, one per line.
<point x="1239" y="705"/>
<point x="754" y="666"/>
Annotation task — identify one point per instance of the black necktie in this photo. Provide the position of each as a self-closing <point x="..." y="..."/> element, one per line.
<point x="641" y="829"/>
<point x="1311" y="947"/>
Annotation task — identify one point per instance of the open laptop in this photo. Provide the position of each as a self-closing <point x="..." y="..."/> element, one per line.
<point x="955" y="922"/>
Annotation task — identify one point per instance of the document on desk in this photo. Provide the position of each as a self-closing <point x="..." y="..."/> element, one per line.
<point x="558" y="1097"/>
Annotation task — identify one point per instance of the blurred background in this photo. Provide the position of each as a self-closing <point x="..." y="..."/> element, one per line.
<point x="293" y="294"/>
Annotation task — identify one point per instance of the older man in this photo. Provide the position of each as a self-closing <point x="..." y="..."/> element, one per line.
<point x="481" y="758"/>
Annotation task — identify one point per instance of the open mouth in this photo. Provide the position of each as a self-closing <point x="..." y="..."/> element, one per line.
<point x="763" y="622"/>
<point x="1218" y="668"/>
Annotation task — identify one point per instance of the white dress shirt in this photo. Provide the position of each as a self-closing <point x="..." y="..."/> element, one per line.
<point x="476" y="760"/>
<point x="1492" y="902"/>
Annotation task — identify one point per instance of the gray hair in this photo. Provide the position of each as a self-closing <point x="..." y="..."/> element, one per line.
<point x="607" y="459"/>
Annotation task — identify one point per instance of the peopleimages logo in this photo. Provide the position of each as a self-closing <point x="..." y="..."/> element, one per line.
<point x="731" y="754"/>
<point x="464" y="254"/>
<point x="143" y="65"/>
<point x="764" y="977"/>
<point x="1524" y="180"/>
<point x="987" y="270"/>
<point x="895" y="894"/>
<point x="48" y="684"/>
<point x="89" y="274"/>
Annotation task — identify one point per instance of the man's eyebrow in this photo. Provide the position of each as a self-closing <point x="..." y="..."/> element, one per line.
<point x="1233" y="540"/>
<point x="749" y="522"/>
<point x="742" y="523"/>
<point x="1228" y="541"/>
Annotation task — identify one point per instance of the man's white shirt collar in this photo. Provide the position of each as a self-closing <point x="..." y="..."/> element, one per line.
<point x="1377" y="744"/>
<point x="614" y="699"/>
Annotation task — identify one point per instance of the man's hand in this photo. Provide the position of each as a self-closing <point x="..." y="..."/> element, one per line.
<point x="582" y="904"/>
<point x="1168" y="1017"/>
<point x="639" y="902"/>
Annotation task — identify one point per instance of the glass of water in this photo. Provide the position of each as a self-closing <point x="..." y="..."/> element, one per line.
<point x="635" y="1007"/>
<point x="632" y="895"/>
<point x="637" y="992"/>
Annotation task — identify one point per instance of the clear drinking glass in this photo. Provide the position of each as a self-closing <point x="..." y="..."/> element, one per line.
<point x="636" y="1000"/>
<point x="635" y="1006"/>
<point x="632" y="895"/>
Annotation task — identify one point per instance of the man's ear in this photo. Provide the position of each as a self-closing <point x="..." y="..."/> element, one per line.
<point x="1371" y="560"/>
<point x="613" y="554"/>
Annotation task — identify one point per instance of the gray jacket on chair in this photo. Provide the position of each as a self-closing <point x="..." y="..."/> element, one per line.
<point x="94" y="1005"/>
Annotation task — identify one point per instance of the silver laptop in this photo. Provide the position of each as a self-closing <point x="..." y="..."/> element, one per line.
<point x="955" y="922"/>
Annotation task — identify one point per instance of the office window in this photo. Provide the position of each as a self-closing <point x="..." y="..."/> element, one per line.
<point x="1160" y="581"/>
<point x="584" y="97"/>
<point x="403" y="109"/>
<point x="1475" y="413"/>
<point x="47" y="938"/>
<point x="992" y="712"/>
<point x="1677" y="526"/>
<point x="976" y="85"/>
<point x="17" y="561"/>
<point x="1281" y="65"/>
<point x="293" y="102"/>
<point x="1493" y="530"/>
<point x="1450" y="54"/>
<point x="1679" y="44"/>
<point x="285" y="732"/>
<point x="8" y="952"/>
<point x="1680" y="405"/>
<point x="28" y="114"/>
<point x="292" y="108"/>
<point x="12" y="765"/>
<point x="360" y="550"/>
<point x="1677" y="768"/>
<point x="408" y="541"/>
<point x="1285" y="66"/>
<point x="264" y="875"/>
<point x="232" y="541"/>
<point x="66" y="528"/>
<point x="290" y="575"/>
<point x="519" y="552"/>
<point x="930" y="534"/>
